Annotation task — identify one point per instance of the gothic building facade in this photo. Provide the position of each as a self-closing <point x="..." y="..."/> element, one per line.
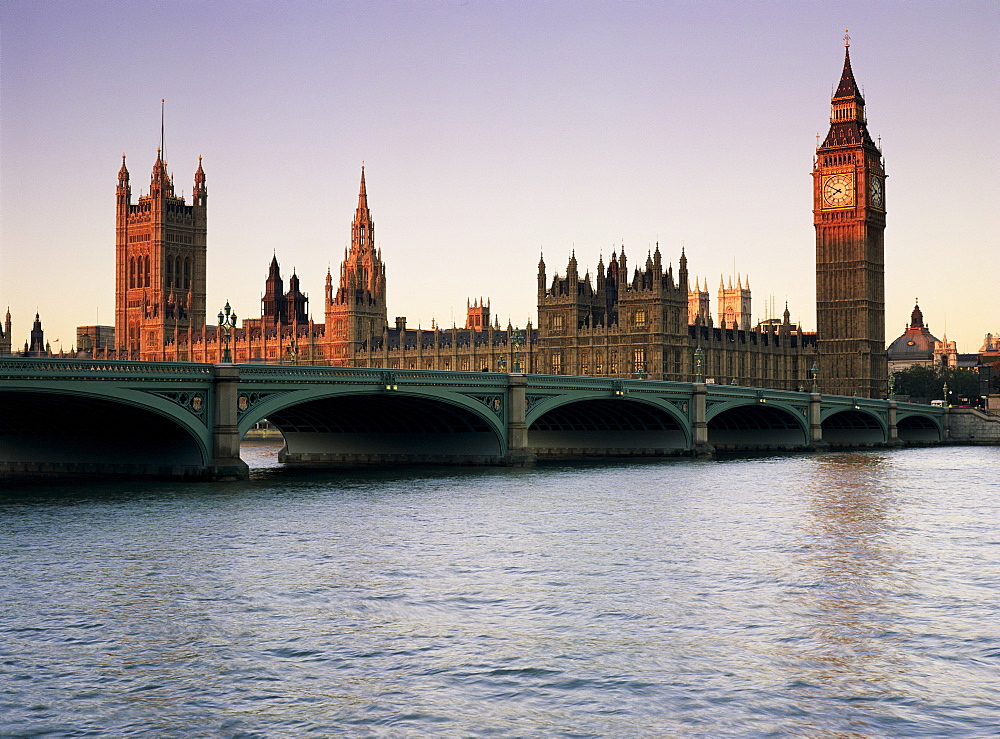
<point x="160" y="260"/>
<point x="652" y="322"/>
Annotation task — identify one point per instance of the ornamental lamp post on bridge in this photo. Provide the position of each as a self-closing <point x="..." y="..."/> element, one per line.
<point x="814" y="371"/>
<point x="227" y="322"/>
<point x="892" y="386"/>
<point x="517" y="341"/>
<point x="699" y="365"/>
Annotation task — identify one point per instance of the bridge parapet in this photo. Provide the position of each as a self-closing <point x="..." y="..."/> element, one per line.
<point x="20" y="368"/>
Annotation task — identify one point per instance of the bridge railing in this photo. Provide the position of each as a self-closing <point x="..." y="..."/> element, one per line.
<point x="25" y="368"/>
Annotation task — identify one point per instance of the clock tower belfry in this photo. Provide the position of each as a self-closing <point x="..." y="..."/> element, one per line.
<point x="849" y="216"/>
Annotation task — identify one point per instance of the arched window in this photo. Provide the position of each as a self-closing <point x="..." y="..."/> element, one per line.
<point x="145" y="281"/>
<point x="170" y="271"/>
<point x="131" y="271"/>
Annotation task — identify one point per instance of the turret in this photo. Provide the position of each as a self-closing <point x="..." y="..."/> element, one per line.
<point x="199" y="195"/>
<point x="541" y="277"/>
<point x="124" y="194"/>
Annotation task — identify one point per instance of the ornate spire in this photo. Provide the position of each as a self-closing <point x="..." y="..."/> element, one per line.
<point x="363" y="230"/>
<point x="848" y="87"/>
<point x="916" y="317"/>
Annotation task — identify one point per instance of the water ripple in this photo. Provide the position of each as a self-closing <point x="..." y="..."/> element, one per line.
<point x="840" y="595"/>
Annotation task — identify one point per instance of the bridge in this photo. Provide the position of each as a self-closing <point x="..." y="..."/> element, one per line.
<point x="68" y="417"/>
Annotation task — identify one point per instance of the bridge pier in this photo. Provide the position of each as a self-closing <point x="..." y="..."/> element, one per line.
<point x="519" y="453"/>
<point x="699" y="422"/>
<point x="815" y="422"/>
<point x="226" y="462"/>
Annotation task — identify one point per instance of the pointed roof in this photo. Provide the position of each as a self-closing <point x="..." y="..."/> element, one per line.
<point x="848" y="87"/>
<point x="847" y="111"/>
<point x="363" y="193"/>
<point x="916" y="317"/>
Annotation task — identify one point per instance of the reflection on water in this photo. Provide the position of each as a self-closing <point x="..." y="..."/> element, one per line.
<point x="849" y="571"/>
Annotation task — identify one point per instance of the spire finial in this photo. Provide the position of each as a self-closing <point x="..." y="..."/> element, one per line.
<point x="847" y="39"/>
<point x="163" y="103"/>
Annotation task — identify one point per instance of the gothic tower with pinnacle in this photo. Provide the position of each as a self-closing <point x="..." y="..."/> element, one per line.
<point x="159" y="265"/>
<point x="356" y="312"/>
<point x="849" y="216"/>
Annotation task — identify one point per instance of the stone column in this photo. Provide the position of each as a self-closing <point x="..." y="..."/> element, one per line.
<point x="815" y="424"/>
<point x="893" y="429"/>
<point x="699" y="425"/>
<point x="226" y="462"/>
<point x="518" y="452"/>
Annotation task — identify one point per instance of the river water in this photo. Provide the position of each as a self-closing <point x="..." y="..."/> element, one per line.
<point x="832" y="595"/>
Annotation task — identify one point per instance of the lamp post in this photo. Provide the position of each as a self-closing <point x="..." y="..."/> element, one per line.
<point x="293" y="350"/>
<point x="892" y="386"/>
<point x="945" y="394"/>
<point x="227" y="322"/>
<point x="517" y="341"/>
<point x="814" y="371"/>
<point x="699" y="363"/>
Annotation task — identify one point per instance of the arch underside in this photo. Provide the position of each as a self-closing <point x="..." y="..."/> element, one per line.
<point x="755" y="427"/>
<point x="852" y="428"/>
<point x="917" y="429"/>
<point x="606" y="427"/>
<point x="385" y="428"/>
<point x="50" y="433"/>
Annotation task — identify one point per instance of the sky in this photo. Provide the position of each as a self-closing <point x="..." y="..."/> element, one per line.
<point x="492" y="132"/>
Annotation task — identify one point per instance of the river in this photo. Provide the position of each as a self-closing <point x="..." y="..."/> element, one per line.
<point x="828" y="595"/>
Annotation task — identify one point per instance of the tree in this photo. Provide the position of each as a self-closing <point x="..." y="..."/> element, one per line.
<point x="928" y="382"/>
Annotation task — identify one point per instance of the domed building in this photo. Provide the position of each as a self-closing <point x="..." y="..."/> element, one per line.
<point x="917" y="345"/>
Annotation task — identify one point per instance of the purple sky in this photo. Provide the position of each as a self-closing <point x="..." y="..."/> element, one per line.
<point x="491" y="131"/>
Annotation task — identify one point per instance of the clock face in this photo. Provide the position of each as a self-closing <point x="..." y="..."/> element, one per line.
<point x="838" y="190"/>
<point x="875" y="190"/>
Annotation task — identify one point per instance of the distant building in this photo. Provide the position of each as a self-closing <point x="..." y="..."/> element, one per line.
<point x="5" y="336"/>
<point x="91" y="339"/>
<point x="915" y="347"/>
<point x="38" y="347"/>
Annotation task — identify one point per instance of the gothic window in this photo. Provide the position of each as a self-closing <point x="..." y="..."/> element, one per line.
<point x="585" y="365"/>
<point x="131" y="271"/>
<point x="170" y="271"/>
<point x="557" y="323"/>
<point x="556" y="363"/>
<point x="639" y="361"/>
<point x="599" y="363"/>
<point x="145" y="271"/>
<point x="613" y="363"/>
<point x="640" y="319"/>
<point x="187" y="273"/>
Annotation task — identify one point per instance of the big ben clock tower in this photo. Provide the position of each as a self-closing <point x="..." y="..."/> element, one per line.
<point x="849" y="215"/>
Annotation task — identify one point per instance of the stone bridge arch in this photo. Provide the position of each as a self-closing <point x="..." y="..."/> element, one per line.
<point x="70" y="428"/>
<point x="584" y="424"/>
<point x="366" y="425"/>
<point x="914" y="426"/>
<point x="756" y="425"/>
<point x="853" y="426"/>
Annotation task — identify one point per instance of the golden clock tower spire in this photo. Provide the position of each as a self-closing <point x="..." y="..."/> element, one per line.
<point x="849" y="216"/>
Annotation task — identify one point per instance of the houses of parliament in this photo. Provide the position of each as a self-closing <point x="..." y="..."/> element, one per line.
<point x="648" y="320"/>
